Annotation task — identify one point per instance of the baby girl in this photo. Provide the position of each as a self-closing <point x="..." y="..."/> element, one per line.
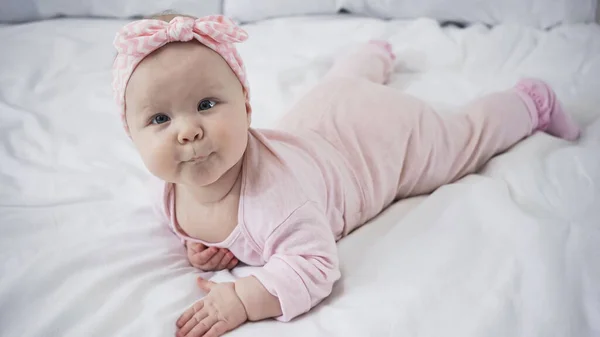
<point x="281" y="198"/>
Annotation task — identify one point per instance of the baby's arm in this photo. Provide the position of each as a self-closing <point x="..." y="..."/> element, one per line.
<point x="301" y="268"/>
<point x="302" y="262"/>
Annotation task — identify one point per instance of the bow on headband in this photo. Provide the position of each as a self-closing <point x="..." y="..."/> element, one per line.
<point x="138" y="39"/>
<point x="144" y="36"/>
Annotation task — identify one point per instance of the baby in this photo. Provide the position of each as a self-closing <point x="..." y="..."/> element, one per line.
<point x="281" y="198"/>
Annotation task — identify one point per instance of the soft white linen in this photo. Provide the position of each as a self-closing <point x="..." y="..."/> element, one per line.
<point x="512" y="251"/>
<point x="25" y="10"/>
<point x="535" y="13"/>
<point x="254" y="10"/>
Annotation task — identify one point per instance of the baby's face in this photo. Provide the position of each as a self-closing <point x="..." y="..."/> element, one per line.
<point x="186" y="112"/>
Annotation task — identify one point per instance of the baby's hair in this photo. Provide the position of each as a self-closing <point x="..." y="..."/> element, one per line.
<point x="168" y="15"/>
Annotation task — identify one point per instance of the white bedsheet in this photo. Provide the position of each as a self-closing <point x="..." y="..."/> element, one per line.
<point x="512" y="251"/>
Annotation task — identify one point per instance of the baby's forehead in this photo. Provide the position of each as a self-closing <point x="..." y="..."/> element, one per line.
<point x="159" y="84"/>
<point x="189" y="56"/>
<point x="182" y="62"/>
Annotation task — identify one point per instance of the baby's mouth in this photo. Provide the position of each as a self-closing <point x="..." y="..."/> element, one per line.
<point x="199" y="158"/>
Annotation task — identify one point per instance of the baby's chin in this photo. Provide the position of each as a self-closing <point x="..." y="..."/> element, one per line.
<point x="187" y="177"/>
<point x="199" y="175"/>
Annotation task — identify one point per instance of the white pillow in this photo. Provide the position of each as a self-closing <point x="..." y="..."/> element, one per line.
<point x="254" y="10"/>
<point x="535" y="13"/>
<point x="27" y="10"/>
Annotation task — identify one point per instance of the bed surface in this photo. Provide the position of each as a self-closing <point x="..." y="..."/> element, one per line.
<point x="511" y="251"/>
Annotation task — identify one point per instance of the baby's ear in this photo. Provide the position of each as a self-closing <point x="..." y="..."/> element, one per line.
<point x="248" y="113"/>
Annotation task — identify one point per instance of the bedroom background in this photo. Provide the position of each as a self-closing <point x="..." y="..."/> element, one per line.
<point x="540" y="13"/>
<point x="510" y="251"/>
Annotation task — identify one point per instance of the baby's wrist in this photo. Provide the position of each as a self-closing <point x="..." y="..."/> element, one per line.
<point x="257" y="301"/>
<point x="242" y="300"/>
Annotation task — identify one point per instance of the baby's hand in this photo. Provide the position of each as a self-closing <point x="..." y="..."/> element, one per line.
<point x="210" y="259"/>
<point x="220" y="311"/>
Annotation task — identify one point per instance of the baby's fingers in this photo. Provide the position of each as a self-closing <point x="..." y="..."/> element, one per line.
<point x="202" y="258"/>
<point x="214" y="261"/>
<point x="233" y="263"/>
<point x="217" y="330"/>
<point x="225" y="260"/>
<point x="196" y="320"/>
<point x="188" y="329"/>
<point x="203" y="325"/>
<point x="189" y="313"/>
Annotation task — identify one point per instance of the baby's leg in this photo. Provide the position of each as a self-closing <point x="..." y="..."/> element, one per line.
<point x="444" y="150"/>
<point x="373" y="61"/>
<point x="369" y="62"/>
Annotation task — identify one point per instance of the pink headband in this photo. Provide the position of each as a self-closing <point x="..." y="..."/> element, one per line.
<point x="138" y="39"/>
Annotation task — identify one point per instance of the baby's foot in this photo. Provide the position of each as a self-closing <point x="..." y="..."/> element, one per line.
<point x="384" y="50"/>
<point x="385" y="46"/>
<point x="546" y="111"/>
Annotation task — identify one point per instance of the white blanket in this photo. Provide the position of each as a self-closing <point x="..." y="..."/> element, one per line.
<point x="511" y="251"/>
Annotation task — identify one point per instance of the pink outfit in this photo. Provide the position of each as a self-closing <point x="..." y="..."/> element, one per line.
<point x="346" y="151"/>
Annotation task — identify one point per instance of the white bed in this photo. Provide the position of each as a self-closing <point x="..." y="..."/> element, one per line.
<point x="512" y="251"/>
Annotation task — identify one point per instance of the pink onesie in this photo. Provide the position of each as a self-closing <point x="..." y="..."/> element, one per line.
<point x="347" y="150"/>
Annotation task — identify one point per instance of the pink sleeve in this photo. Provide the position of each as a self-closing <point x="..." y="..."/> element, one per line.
<point x="302" y="261"/>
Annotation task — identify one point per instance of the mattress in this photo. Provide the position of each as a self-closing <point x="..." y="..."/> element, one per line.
<point x="510" y="251"/>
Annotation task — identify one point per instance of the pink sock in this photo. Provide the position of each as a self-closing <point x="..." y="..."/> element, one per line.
<point x="388" y="57"/>
<point x="546" y="111"/>
<point x="386" y="46"/>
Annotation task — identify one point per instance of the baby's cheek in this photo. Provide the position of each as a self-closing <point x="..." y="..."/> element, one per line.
<point x="159" y="161"/>
<point x="232" y="141"/>
<point x="234" y="133"/>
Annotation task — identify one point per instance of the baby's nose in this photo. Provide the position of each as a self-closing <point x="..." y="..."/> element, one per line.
<point x="190" y="133"/>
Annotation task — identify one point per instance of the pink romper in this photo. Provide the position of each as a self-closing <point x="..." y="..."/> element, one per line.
<point x="348" y="149"/>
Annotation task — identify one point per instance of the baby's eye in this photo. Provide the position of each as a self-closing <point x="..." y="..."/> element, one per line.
<point x="160" y="118"/>
<point x="206" y="104"/>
